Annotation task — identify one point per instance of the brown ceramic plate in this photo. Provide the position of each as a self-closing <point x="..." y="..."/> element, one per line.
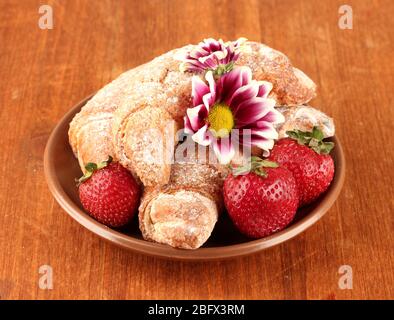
<point x="61" y="168"/>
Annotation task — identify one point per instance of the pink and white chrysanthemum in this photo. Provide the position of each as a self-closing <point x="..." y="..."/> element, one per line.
<point x="213" y="55"/>
<point x="226" y="109"/>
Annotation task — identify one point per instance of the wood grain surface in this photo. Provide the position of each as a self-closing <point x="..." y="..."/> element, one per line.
<point x="44" y="72"/>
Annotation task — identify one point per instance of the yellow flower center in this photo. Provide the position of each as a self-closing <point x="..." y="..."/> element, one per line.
<point x="221" y="120"/>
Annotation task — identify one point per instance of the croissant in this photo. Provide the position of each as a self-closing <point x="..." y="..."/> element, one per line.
<point x="183" y="212"/>
<point x="135" y="120"/>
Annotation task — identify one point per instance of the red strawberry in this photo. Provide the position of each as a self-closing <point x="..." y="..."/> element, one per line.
<point x="262" y="201"/>
<point x="308" y="159"/>
<point x="109" y="193"/>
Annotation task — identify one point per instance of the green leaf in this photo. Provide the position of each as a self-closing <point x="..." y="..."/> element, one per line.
<point x="261" y="172"/>
<point x="256" y="165"/>
<point x="105" y="163"/>
<point x="238" y="171"/>
<point x="85" y="177"/>
<point x="255" y="159"/>
<point x="302" y="138"/>
<point x="90" y="167"/>
<point x="314" y="142"/>
<point x="316" y="149"/>
<point x="222" y="69"/>
<point x="219" y="71"/>
<point x="269" y="164"/>
<point x="312" y="139"/>
<point x="228" y="67"/>
<point x="317" y="134"/>
<point x="327" y="147"/>
<point x="263" y="162"/>
<point x="292" y="134"/>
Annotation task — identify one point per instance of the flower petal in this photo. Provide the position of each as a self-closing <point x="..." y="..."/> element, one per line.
<point x="224" y="150"/>
<point x="246" y="75"/>
<point x="265" y="88"/>
<point x="210" y="97"/>
<point x="242" y="94"/>
<point x="199" y="89"/>
<point x="267" y="133"/>
<point x="198" y="52"/>
<point x="211" y="44"/>
<point x="263" y="137"/>
<point x="262" y="143"/>
<point x="187" y="125"/>
<point x="190" y="66"/>
<point x="274" y="116"/>
<point x="181" y="54"/>
<point x="252" y="110"/>
<point x="208" y="62"/>
<point x="196" y="116"/>
<point x="232" y="81"/>
<point x="239" y="42"/>
<point x="209" y="54"/>
<point x="202" y="136"/>
<point x="214" y="57"/>
<point x="194" y="64"/>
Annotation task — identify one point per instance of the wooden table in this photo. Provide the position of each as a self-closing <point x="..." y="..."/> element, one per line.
<point x="44" y="72"/>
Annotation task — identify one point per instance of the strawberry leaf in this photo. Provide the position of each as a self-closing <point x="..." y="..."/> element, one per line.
<point x="239" y="171"/>
<point x="326" y="147"/>
<point x="105" y="163"/>
<point x="92" y="167"/>
<point x="312" y="139"/>
<point x="255" y="165"/>
<point x="268" y="164"/>
<point x="317" y="134"/>
<point x="261" y="172"/>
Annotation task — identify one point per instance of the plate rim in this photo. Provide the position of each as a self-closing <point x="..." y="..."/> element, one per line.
<point x="165" y="251"/>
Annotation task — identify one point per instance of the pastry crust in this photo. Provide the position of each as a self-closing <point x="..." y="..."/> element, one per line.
<point x="291" y="86"/>
<point x="304" y="118"/>
<point x="182" y="219"/>
<point x="184" y="212"/>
